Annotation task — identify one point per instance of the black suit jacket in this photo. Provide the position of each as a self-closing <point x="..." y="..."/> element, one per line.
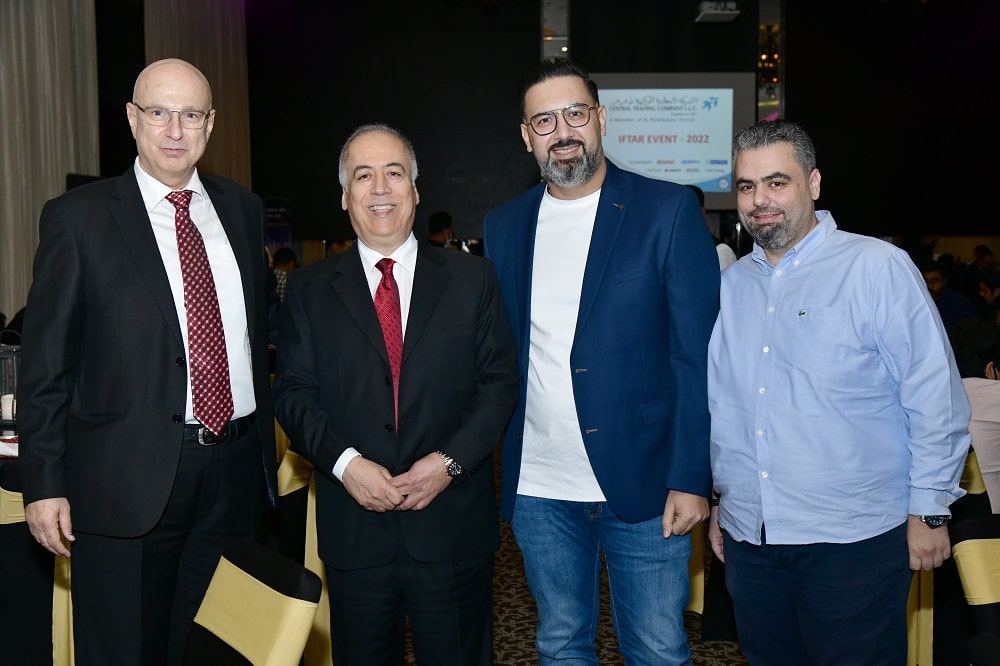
<point x="103" y="376"/>
<point x="458" y="386"/>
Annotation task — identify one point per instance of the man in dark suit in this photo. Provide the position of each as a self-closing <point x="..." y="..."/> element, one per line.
<point x="107" y="418"/>
<point x="401" y="440"/>
<point x="611" y="283"/>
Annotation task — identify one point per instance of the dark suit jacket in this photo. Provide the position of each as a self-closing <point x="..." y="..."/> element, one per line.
<point x="457" y="388"/>
<point x="640" y="350"/>
<point x="103" y="376"/>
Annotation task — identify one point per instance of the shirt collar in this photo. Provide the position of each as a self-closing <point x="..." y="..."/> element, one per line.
<point x="405" y="254"/>
<point x="153" y="191"/>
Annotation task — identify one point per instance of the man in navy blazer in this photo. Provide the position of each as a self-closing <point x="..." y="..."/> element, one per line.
<point x="113" y="460"/>
<point x="611" y="282"/>
<point x="405" y="497"/>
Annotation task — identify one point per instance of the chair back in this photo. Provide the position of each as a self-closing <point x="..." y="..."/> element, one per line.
<point x="258" y="609"/>
<point x="975" y="545"/>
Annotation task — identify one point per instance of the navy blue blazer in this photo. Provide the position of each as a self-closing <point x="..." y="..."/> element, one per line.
<point x="639" y="357"/>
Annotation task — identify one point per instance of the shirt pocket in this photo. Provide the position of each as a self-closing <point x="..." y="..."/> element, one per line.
<point x="818" y="337"/>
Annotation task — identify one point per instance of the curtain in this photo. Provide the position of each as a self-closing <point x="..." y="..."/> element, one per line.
<point x="49" y="127"/>
<point x="212" y="37"/>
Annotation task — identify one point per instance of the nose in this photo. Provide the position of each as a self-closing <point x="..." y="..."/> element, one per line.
<point x="562" y="127"/>
<point x="174" y="129"/>
<point x="380" y="184"/>
<point x="760" y="196"/>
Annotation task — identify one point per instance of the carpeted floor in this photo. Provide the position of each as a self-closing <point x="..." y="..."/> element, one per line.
<point x="514" y="621"/>
<point x="514" y="618"/>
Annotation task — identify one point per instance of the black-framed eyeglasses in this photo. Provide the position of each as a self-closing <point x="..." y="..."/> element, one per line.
<point x="158" y="116"/>
<point x="574" y="115"/>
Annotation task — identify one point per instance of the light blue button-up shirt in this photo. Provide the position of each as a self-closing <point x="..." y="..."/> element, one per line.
<point x="836" y="405"/>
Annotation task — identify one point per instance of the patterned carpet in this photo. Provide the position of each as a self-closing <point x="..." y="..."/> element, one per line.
<point x="514" y="620"/>
<point x="514" y="616"/>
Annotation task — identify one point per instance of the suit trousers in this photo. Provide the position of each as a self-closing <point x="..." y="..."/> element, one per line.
<point x="821" y="604"/>
<point x="449" y="606"/>
<point x="134" y="599"/>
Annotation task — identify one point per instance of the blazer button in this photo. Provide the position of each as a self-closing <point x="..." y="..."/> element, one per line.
<point x="388" y="381"/>
<point x="177" y="418"/>
<point x="388" y="427"/>
<point x="179" y="361"/>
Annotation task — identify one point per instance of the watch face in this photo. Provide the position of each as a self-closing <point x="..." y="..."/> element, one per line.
<point x="934" y="521"/>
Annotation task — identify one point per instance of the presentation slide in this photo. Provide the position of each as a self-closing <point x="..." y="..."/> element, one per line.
<point x="679" y="126"/>
<point x="682" y="135"/>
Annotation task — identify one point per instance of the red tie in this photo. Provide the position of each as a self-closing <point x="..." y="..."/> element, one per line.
<point x="387" y="307"/>
<point x="208" y="363"/>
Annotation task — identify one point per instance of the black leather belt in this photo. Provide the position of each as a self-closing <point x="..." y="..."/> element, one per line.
<point x="199" y="434"/>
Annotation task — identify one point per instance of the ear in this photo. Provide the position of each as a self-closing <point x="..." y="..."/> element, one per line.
<point x="130" y="112"/>
<point x="526" y="137"/>
<point x="990" y="371"/>
<point x="343" y="200"/>
<point x="209" y="124"/>
<point x="814" y="179"/>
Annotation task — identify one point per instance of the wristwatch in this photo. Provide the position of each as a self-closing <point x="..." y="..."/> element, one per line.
<point x="454" y="469"/>
<point x="934" y="522"/>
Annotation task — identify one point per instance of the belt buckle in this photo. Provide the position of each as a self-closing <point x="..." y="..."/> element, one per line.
<point x="201" y="437"/>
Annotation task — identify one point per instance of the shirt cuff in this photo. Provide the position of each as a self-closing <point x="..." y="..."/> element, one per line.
<point x="347" y="456"/>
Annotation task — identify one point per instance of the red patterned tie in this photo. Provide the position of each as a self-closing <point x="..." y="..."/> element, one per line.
<point x="387" y="307"/>
<point x="208" y="363"/>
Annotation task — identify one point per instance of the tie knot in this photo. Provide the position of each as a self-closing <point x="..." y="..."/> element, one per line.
<point x="181" y="199"/>
<point x="385" y="265"/>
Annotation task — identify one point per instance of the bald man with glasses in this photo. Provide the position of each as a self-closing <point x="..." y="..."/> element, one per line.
<point x="145" y="420"/>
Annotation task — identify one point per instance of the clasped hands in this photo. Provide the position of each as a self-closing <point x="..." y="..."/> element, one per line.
<point x="375" y="489"/>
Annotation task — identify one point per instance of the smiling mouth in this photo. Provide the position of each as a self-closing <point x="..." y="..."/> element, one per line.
<point x="379" y="209"/>
<point x="565" y="147"/>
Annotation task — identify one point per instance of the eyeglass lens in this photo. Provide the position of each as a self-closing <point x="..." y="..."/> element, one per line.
<point x="574" y="115"/>
<point x="159" y="116"/>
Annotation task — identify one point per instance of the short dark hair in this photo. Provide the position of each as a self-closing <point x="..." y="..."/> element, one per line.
<point x="551" y="68"/>
<point x="438" y="221"/>
<point x="770" y="132"/>
<point x="283" y="255"/>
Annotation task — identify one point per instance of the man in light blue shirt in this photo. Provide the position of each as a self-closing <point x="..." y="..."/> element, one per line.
<point x="839" y="422"/>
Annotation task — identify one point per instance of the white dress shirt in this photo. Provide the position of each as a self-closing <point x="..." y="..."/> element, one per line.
<point x="225" y="273"/>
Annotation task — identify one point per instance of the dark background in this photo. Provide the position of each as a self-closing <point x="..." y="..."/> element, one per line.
<point x="897" y="95"/>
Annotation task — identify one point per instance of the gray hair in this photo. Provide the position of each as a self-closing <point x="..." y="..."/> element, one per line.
<point x="777" y="131"/>
<point x="367" y="129"/>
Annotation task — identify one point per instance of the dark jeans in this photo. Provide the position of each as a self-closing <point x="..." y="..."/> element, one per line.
<point x="821" y="604"/>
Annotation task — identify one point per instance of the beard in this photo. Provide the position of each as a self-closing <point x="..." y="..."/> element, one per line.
<point x="776" y="236"/>
<point x="574" y="171"/>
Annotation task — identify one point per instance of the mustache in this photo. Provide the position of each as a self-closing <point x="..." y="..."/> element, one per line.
<point x="766" y="211"/>
<point x="565" y="143"/>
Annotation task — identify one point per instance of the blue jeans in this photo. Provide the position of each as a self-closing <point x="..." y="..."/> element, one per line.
<point x="561" y="543"/>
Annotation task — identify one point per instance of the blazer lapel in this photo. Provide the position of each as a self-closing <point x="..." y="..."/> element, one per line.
<point x="524" y="237"/>
<point x="351" y="286"/>
<point x="429" y="282"/>
<point x="611" y="209"/>
<point x="129" y="214"/>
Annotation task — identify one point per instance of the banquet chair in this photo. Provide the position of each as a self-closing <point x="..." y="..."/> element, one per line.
<point x="976" y="549"/>
<point x="258" y="610"/>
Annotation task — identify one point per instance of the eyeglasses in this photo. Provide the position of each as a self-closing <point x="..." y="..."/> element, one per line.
<point x="157" y="116"/>
<point x="574" y="115"/>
